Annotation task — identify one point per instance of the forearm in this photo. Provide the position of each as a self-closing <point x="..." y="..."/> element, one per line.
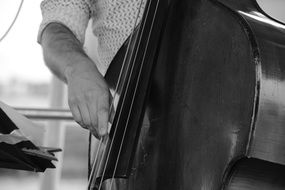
<point x="88" y="93"/>
<point x="63" y="53"/>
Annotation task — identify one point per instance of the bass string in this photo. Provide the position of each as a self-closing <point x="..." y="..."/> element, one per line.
<point x="124" y="97"/>
<point x="140" y="71"/>
<point x="105" y="140"/>
<point x="89" y="154"/>
<point x="115" y="131"/>
<point x="90" y="180"/>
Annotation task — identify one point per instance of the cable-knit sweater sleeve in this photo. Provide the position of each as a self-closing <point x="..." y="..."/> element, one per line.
<point x="74" y="14"/>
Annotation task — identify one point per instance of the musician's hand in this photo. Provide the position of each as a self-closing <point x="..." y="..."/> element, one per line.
<point x="88" y="94"/>
<point x="88" y="97"/>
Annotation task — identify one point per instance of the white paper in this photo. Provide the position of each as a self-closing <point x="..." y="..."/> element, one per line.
<point x="29" y="129"/>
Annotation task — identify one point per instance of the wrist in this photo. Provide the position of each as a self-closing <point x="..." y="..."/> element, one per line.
<point x="78" y="67"/>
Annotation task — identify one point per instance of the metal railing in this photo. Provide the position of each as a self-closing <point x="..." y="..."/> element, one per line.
<point x="46" y="113"/>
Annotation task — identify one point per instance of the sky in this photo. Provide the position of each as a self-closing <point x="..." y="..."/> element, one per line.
<point x="20" y="54"/>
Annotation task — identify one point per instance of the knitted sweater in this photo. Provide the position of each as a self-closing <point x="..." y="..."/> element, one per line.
<point x="112" y="21"/>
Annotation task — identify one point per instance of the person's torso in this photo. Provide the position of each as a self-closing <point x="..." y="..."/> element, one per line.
<point x="113" y="21"/>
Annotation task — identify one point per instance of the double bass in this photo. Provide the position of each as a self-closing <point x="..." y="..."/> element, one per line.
<point x="200" y="103"/>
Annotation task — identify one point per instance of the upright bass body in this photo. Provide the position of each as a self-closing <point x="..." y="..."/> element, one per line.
<point x="215" y="112"/>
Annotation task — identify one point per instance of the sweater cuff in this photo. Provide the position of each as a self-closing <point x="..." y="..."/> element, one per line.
<point x="73" y="14"/>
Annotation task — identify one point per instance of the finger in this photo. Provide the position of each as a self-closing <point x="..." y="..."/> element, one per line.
<point x="103" y="114"/>
<point x="93" y="116"/>
<point x="76" y="114"/>
<point x="94" y="133"/>
<point x="85" y="115"/>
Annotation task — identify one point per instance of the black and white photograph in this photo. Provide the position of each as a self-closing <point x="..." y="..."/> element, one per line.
<point x="142" y="94"/>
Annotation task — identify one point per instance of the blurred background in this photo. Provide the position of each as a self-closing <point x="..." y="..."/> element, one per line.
<point x="26" y="82"/>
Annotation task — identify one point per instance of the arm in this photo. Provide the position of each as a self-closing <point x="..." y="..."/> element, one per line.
<point x="88" y="93"/>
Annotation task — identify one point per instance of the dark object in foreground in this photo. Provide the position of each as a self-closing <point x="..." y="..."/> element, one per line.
<point x="17" y="152"/>
<point x="214" y="116"/>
